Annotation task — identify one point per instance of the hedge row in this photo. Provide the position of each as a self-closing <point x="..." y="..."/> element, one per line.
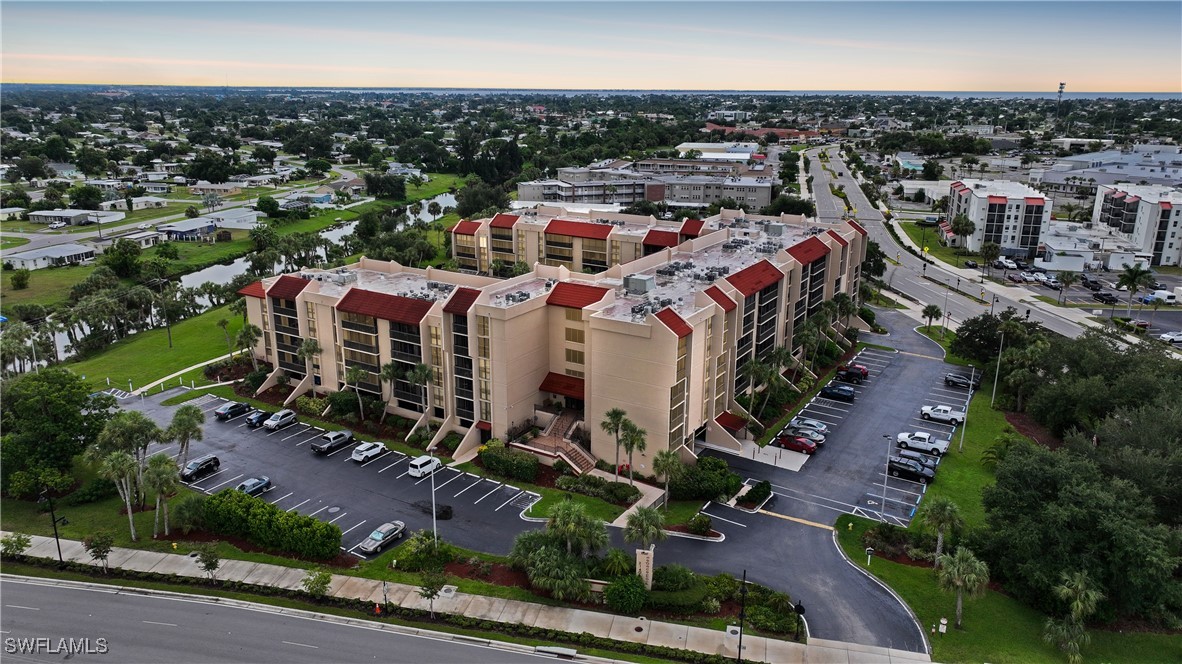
<point x="620" y="493"/>
<point x="233" y="513"/>
<point x="709" y="479"/>
<point x="679" y="601"/>
<point x="514" y="464"/>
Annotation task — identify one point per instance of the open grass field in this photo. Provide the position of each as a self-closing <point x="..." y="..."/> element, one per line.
<point x="927" y="236"/>
<point x="48" y="286"/>
<point x="8" y="243"/>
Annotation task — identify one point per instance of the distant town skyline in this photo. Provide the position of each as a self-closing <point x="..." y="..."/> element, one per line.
<point x="920" y="46"/>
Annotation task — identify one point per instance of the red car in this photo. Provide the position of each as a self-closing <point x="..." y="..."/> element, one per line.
<point x="1014" y="277"/>
<point x="795" y="444"/>
<point x="1143" y="324"/>
<point x="855" y="367"/>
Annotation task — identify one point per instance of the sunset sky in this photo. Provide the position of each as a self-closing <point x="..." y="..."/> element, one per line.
<point x="994" y="46"/>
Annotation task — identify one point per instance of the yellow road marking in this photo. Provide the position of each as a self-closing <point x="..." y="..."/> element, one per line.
<point x="926" y="357"/>
<point x="814" y="524"/>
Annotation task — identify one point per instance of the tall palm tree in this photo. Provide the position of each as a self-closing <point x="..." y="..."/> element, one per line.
<point x="389" y="375"/>
<point x="224" y="323"/>
<point x="581" y="532"/>
<point x="865" y="292"/>
<point x="120" y="468"/>
<point x="1068" y="279"/>
<point x="613" y="422"/>
<point x="990" y="251"/>
<point x="633" y="440"/>
<point x="667" y="464"/>
<point x="162" y="478"/>
<point x="308" y="350"/>
<point x="963" y="572"/>
<point x="185" y="427"/>
<point x="132" y="432"/>
<point x="353" y="376"/>
<point x="420" y="376"/>
<point x="942" y="515"/>
<point x="1082" y="597"/>
<point x="248" y="337"/>
<point x="845" y="307"/>
<point x="756" y="374"/>
<point x="929" y="312"/>
<point x="1134" y="277"/>
<point x="645" y="526"/>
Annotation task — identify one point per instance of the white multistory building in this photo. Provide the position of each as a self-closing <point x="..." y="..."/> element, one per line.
<point x="1148" y="216"/>
<point x="1009" y="214"/>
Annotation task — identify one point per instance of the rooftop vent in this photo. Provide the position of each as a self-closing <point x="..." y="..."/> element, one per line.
<point x="639" y="284"/>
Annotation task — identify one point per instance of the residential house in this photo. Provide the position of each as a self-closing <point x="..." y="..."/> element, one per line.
<point x="189" y="230"/>
<point x="10" y="213"/>
<point x="52" y="256"/>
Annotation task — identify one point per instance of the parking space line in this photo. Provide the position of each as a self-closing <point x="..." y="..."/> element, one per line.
<point x="347" y="447"/>
<point x="307" y="441"/>
<point x="318" y="511"/>
<point x="440" y="486"/>
<point x="804" y="414"/>
<point x="806" y="522"/>
<point x="346" y="532"/>
<point x="495" y="489"/>
<point x="437" y="471"/>
<point x="298" y="433"/>
<point x="468" y="487"/>
<point x="297" y="506"/>
<point x="901" y="489"/>
<point x="209" y="476"/>
<point x="380" y="456"/>
<point x="498" y="509"/>
<point x="208" y="489"/>
<point x="279" y="499"/>
<point x="339" y="516"/>
<point x="825" y="403"/>
<point x="722" y="519"/>
<point x="404" y="458"/>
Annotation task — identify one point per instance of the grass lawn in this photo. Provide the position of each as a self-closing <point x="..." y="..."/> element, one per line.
<point x="945" y="338"/>
<point x="949" y="255"/>
<point x="145" y="357"/>
<point x="12" y="242"/>
<point x="962" y="475"/>
<point x="48" y="286"/>
<point x="996" y="628"/>
<point x="681" y="511"/>
<point x="881" y="300"/>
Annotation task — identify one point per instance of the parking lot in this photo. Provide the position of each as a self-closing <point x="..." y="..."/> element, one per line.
<point x="356" y="496"/>
<point x="848" y="474"/>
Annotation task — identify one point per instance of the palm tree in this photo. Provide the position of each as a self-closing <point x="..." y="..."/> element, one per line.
<point x="120" y="468"/>
<point x="1068" y="279"/>
<point x="308" y="350"/>
<point x="756" y="373"/>
<point x="964" y="573"/>
<point x="845" y="307"/>
<point x="613" y="422"/>
<point x="581" y="532"/>
<point x="131" y="432"/>
<point x="433" y="209"/>
<point x="185" y="427"/>
<point x="929" y="312"/>
<point x="162" y="478"/>
<point x="1077" y="589"/>
<point x="1135" y="277"/>
<point x="645" y="526"/>
<point x="420" y="376"/>
<point x="633" y="440"/>
<point x="865" y="292"/>
<point x="248" y="337"/>
<point x="942" y="515"/>
<point x="963" y="227"/>
<point x="225" y="325"/>
<point x="990" y="251"/>
<point x="667" y="464"/>
<point x="353" y="376"/>
<point x="388" y="375"/>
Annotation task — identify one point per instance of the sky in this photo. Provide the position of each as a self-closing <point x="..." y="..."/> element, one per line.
<point x="928" y="46"/>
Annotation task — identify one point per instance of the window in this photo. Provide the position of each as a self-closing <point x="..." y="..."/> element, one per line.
<point x="574" y="315"/>
<point x="575" y="373"/>
<point x="574" y="335"/>
<point x="574" y="356"/>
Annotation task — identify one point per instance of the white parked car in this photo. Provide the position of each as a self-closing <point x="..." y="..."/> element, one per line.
<point x="56" y="225"/>
<point x="1028" y="277"/>
<point x="366" y="451"/>
<point x="423" y="466"/>
<point x="1040" y="277"/>
<point x="1172" y="338"/>
<point x="922" y="441"/>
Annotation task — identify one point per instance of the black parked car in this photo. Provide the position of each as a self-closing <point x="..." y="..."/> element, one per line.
<point x="200" y="467"/>
<point x="960" y="380"/>
<point x="911" y="470"/>
<point x="231" y="410"/>
<point x="1106" y="298"/>
<point x="972" y="264"/>
<point x="849" y="376"/>
<point x="838" y="393"/>
<point x="256" y="419"/>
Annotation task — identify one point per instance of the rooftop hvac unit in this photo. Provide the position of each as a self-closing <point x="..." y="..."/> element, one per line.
<point x="639" y="284"/>
<point x="344" y="278"/>
<point x="775" y="230"/>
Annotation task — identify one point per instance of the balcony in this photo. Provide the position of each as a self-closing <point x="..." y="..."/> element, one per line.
<point x="364" y="348"/>
<point x="293" y="367"/>
<point x="412" y="396"/>
<point x="283" y="311"/>
<point x="359" y="327"/>
<point x="286" y="329"/>
<point x="372" y="368"/>
<point x="406" y="356"/>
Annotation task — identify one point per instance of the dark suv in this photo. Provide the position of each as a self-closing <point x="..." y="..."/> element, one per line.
<point x="961" y="380"/>
<point x="1106" y="298"/>
<point x="849" y="376"/>
<point x="911" y="470"/>
<point x="231" y="410"/>
<point x="200" y="467"/>
<point x="256" y="419"/>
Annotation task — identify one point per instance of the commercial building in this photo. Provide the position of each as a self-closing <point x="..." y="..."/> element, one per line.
<point x="661" y="336"/>
<point x="1009" y="214"/>
<point x="660" y="181"/>
<point x="1080" y="175"/>
<point x="1148" y="216"/>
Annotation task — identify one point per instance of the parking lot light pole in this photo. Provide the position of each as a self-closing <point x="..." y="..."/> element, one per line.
<point x="1000" y="346"/>
<point x="434" y="514"/>
<point x="964" y="425"/>
<point x="45" y="497"/>
<point x="886" y="474"/>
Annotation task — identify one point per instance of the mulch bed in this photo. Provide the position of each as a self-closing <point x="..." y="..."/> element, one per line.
<point x="499" y="574"/>
<point x="1024" y="424"/>
<point x="904" y="559"/>
<point x="547" y="476"/>
<point x="342" y="561"/>
<point x="236" y="371"/>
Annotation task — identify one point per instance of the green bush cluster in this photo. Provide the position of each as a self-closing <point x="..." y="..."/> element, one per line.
<point x="233" y="513"/>
<point x="421" y="552"/>
<point x="770" y="620"/>
<point x="311" y="405"/>
<point x="679" y="601"/>
<point x="343" y="402"/>
<point x="709" y="479"/>
<point x="673" y="577"/>
<point x="867" y="314"/>
<point x="626" y="596"/>
<point x="514" y="464"/>
<point x="255" y="379"/>
<point x="758" y="493"/>
<point x="619" y="493"/>
<point x="94" y="490"/>
<point x="700" y="524"/>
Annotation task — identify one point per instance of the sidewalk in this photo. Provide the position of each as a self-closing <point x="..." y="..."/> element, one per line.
<point x="620" y="628"/>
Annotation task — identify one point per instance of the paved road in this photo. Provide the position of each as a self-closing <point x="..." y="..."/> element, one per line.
<point x="148" y="628"/>
<point x="911" y="276"/>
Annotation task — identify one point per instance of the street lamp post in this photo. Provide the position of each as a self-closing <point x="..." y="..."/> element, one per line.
<point x="886" y="474"/>
<point x="991" y="305"/>
<point x="1000" y="346"/>
<point x="742" y="616"/>
<point x="434" y="513"/>
<point x="46" y="498"/>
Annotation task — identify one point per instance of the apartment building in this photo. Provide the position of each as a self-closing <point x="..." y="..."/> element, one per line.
<point x="660" y="336"/>
<point x="1148" y="216"/>
<point x="1009" y="214"/>
<point x="688" y="189"/>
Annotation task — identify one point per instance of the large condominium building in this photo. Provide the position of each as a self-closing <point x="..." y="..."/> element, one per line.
<point x="1149" y="216"/>
<point x="660" y="336"/>
<point x="1009" y="214"/>
<point x="579" y="241"/>
<point x="613" y="185"/>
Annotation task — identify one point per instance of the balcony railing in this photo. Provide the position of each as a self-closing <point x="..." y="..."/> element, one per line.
<point x="283" y="311"/>
<point x="356" y="345"/>
<point x="359" y="327"/>
<point x="372" y="368"/>
<point x="286" y="329"/>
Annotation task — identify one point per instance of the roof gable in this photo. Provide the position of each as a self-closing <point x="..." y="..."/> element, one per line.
<point x="808" y="251"/>
<point x="581" y="229"/>
<point x="692" y="227"/>
<point x="840" y="240"/>
<point x="656" y="238"/>
<point x="575" y="296"/>
<point x="466" y="227"/>
<point x="752" y="279"/>
<point x="395" y="308"/>
<point x="461" y="301"/>
<point x="721" y="298"/>
<point x="288" y="287"/>
<point x="675" y="323"/>
<point x="502" y="220"/>
<point x="254" y="290"/>
<point x="856" y="226"/>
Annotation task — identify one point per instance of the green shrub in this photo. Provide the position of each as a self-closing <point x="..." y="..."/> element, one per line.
<point x="709" y="479"/>
<point x="514" y="464"/>
<point x="887" y="540"/>
<point x="764" y="618"/>
<point x="343" y="402"/>
<point x="758" y="493"/>
<point x="420" y="552"/>
<point x="188" y="513"/>
<point x="597" y="487"/>
<point x="867" y="314"/>
<point x="311" y="405"/>
<point x="678" y="601"/>
<point x="723" y="587"/>
<point x="673" y="577"/>
<point x="94" y="490"/>
<point x="561" y="467"/>
<point x="15" y="544"/>
<point x="626" y="595"/>
<point x="615" y="562"/>
<point x="700" y="524"/>
<point x="711" y="606"/>
<point x="255" y="379"/>
<point x="450" y="442"/>
<point x="234" y="513"/>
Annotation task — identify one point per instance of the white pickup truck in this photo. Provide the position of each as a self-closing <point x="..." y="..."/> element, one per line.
<point x="942" y="414"/>
<point x="922" y="441"/>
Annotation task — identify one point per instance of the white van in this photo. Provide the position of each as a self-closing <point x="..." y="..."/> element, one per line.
<point x="1165" y="296"/>
<point x="423" y="466"/>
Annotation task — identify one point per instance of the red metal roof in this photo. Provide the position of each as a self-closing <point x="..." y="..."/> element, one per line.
<point x="808" y="251"/>
<point x="856" y="226"/>
<point x="406" y="310"/>
<point x="484" y="426"/>
<point x="751" y="280"/>
<point x="1035" y="200"/>
<point x="590" y="231"/>
<point x="1118" y="194"/>
<point x="466" y="227"/>
<point x="1132" y="199"/>
<point x="655" y="238"/>
<point x="461" y="301"/>
<point x="1000" y="200"/>
<point x="721" y="298"/>
<point x="692" y="227"/>
<point x="575" y="296"/>
<point x="1165" y="205"/>
<point x="731" y="421"/>
<point x="254" y="290"/>
<point x="840" y="240"/>
<point x="287" y="288"/>
<point x="674" y="322"/>
<point x="567" y="386"/>
<point x="502" y="220"/>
